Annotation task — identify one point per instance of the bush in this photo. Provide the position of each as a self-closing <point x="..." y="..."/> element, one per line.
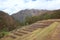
<point x="2" y="34"/>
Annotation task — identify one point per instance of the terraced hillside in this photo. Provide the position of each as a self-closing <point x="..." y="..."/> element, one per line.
<point x="41" y="30"/>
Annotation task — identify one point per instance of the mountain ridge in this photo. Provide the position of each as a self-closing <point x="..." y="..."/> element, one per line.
<point x="21" y="15"/>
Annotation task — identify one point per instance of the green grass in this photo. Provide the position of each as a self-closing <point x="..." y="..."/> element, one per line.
<point x="2" y="34"/>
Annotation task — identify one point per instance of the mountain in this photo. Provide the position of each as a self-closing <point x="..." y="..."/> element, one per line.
<point x="21" y="15"/>
<point x="30" y="16"/>
<point x="7" y="22"/>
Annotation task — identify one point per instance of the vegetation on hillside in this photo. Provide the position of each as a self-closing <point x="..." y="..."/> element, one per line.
<point x="7" y="23"/>
<point x="26" y="17"/>
<point x="30" y="20"/>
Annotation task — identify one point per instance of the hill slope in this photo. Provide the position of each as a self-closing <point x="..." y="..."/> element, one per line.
<point x="7" y="23"/>
<point x="41" y="30"/>
<point x="21" y="15"/>
<point x="26" y="17"/>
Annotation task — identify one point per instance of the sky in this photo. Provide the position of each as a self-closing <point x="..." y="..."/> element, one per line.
<point x="13" y="6"/>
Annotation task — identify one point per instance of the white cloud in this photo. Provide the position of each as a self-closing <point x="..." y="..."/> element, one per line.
<point x="12" y="6"/>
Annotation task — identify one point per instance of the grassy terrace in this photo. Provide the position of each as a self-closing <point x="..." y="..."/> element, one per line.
<point x="41" y="34"/>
